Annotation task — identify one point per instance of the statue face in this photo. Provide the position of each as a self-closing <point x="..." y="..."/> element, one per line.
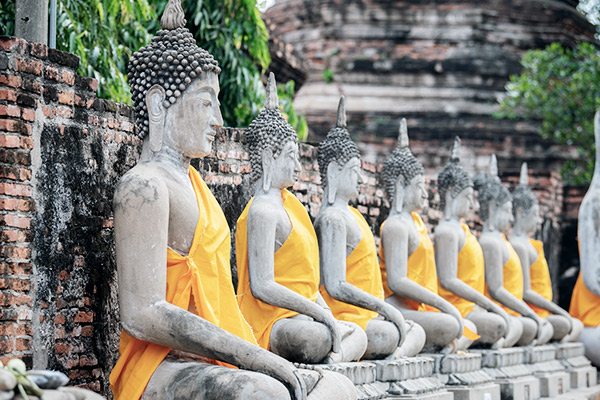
<point x="463" y="203"/>
<point x="191" y="123"/>
<point x="504" y="217"/>
<point x="530" y="219"/>
<point x="286" y="166"/>
<point x="349" y="179"/>
<point x="415" y="194"/>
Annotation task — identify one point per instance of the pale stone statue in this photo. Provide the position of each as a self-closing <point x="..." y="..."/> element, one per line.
<point x="177" y="303"/>
<point x="503" y="274"/>
<point x="585" y="302"/>
<point x="537" y="287"/>
<point x="349" y="268"/>
<point x="459" y="259"/>
<point x="278" y="255"/>
<point x="407" y="256"/>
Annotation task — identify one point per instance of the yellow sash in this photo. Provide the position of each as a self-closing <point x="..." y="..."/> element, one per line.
<point x="585" y="305"/>
<point x="205" y="273"/>
<point x="539" y="276"/>
<point x="362" y="271"/>
<point x="470" y="270"/>
<point x="512" y="275"/>
<point x="296" y="266"/>
<point x="420" y="267"/>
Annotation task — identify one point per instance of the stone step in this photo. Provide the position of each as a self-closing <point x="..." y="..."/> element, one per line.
<point x="500" y="357"/>
<point x="537" y="354"/>
<point x="455" y="363"/>
<point x="590" y="393"/>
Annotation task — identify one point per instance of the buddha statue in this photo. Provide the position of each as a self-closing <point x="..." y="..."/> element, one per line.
<point x="503" y="274"/>
<point x="537" y="287"/>
<point x="585" y="302"/>
<point x="278" y="255"/>
<point x="407" y="259"/>
<point x="459" y="260"/>
<point x="182" y="328"/>
<point x="350" y="272"/>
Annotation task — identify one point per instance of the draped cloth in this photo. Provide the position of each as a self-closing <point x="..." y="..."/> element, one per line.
<point x="296" y="266"/>
<point x="362" y="271"/>
<point x="420" y="266"/>
<point x="512" y="275"/>
<point x="585" y="305"/>
<point x="203" y="274"/>
<point x="539" y="277"/>
<point x="470" y="270"/>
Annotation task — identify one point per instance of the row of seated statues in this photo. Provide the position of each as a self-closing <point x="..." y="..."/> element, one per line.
<point x="307" y="294"/>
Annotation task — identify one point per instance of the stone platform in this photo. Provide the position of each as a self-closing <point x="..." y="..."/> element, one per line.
<point x="571" y="356"/>
<point x="408" y="378"/>
<point x="462" y="376"/>
<point x="506" y="367"/>
<point x="542" y="362"/>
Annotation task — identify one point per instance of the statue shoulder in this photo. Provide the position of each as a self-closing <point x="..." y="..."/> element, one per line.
<point x="489" y="241"/>
<point x="140" y="186"/>
<point x="395" y="225"/>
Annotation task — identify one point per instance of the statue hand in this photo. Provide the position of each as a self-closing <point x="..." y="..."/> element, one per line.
<point x="461" y="322"/>
<point x="285" y="372"/>
<point x="541" y="323"/>
<point x="331" y="323"/>
<point x="506" y="317"/>
<point x="396" y="317"/>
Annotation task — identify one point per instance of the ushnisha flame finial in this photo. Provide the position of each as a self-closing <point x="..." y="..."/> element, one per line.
<point x="403" y="135"/>
<point x="341" y="113"/>
<point x="493" y="168"/>
<point x="455" y="153"/>
<point x="272" y="101"/>
<point x="173" y="17"/>
<point x="524" y="177"/>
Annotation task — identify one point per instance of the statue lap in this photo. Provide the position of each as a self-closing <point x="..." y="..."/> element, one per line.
<point x="490" y="327"/>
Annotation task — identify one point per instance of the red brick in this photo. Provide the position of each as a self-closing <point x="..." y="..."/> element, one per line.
<point x="8" y="94"/>
<point x="6" y="345"/>
<point x="14" y="236"/>
<point x="49" y="111"/>
<point x="38" y="50"/>
<point x="15" y="221"/>
<point x="31" y="86"/>
<point x="59" y="319"/>
<point x="84" y="316"/>
<point x="10" y="141"/>
<point x="68" y="77"/>
<point x="10" y="110"/>
<point x="60" y="333"/>
<point x="11" y="125"/>
<point x="24" y="330"/>
<point x="17" y="44"/>
<point x="20" y="268"/>
<point x="19" y="285"/>
<point x="11" y="204"/>
<point x="24" y="300"/>
<point x="88" y="361"/>
<point x="61" y="348"/>
<point x="28" y="66"/>
<point x="10" y="81"/>
<point x="7" y="299"/>
<point x="87" y="331"/>
<point x="51" y="73"/>
<point x="6" y="329"/>
<point x="64" y="112"/>
<point x="22" y="344"/>
<point x="63" y="275"/>
<point x="66" y="97"/>
<point x="15" y="189"/>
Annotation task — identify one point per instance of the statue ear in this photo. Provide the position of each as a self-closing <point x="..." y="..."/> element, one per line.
<point x="156" y="116"/>
<point x="492" y="215"/>
<point x="333" y="172"/>
<point x="449" y="200"/>
<point x="398" y="195"/>
<point x="267" y="166"/>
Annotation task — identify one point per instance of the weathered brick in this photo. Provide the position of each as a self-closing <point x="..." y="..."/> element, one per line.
<point x="23" y="344"/>
<point x="24" y="329"/>
<point x="7" y="299"/>
<point x="10" y="141"/>
<point x="28" y="66"/>
<point x="15" y="156"/>
<point x="38" y="50"/>
<point x="10" y="80"/>
<point x="84" y="316"/>
<point x="8" y="94"/>
<point x="51" y="73"/>
<point x="6" y="329"/>
<point x="15" y="189"/>
<point x="15" y="221"/>
<point x="13" y="44"/>
<point x="31" y="85"/>
<point x="66" y="97"/>
<point x="6" y="345"/>
<point x="11" y="125"/>
<point x="10" y="110"/>
<point x="13" y="235"/>
<point x="64" y="112"/>
<point x="28" y="114"/>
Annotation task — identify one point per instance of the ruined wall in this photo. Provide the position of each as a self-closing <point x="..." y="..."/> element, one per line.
<point x="61" y="154"/>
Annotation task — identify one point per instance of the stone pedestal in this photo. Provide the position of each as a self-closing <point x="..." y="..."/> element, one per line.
<point x="580" y="369"/>
<point x="506" y="368"/>
<point x="410" y="378"/>
<point x="462" y="376"/>
<point x="542" y="362"/>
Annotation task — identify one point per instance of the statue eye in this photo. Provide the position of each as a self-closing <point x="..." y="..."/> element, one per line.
<point x="206" y="103"/>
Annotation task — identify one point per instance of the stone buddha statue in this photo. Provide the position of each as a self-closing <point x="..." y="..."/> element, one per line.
<point x="503" y="274"/>
<point x="182" y="328"/>
<point x="350" y="272"/>
<point x="459" y="259"/>
<point x="537" y="287"/>
<point x="278" y="255"/>
<point x="585" y="302"/>
<point x="407" y="257"/>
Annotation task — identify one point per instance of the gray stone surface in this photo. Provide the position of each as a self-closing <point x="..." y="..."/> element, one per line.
<point x="31" y="20"/>
<point x="523" y="388"/>
<point x="487" y="391"/>
<point x="501" y="357"/>
<point x="554" y="383"/>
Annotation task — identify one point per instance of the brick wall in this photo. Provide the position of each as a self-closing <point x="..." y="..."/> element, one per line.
<point x="62" y="151"/>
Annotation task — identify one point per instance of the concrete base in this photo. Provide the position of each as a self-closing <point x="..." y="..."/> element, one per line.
<point x="554" y="384"/>
<point x="583" y="377"/>
<point x="523" y="388"/>
<point x="441" y="395"/>
<point x="592" y="393"/>
<point x="488" y="391"/>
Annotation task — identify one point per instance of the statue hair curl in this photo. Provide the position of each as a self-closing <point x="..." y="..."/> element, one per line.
<point x="453" y="177"/>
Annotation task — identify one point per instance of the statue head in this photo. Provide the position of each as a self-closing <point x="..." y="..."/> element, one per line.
<point x="339" y="160"/>
<point x="455" y="186"/>
<point x="170" y="68"/>
<point x="495" y="202"/>
<point x="273" y="145"/>
<point x="402" y="176"/>
<point x="526" y="208"/>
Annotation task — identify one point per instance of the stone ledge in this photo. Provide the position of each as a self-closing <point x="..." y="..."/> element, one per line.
<point x="404" y="368"/>
<point x="536" y="354"/>
<point x="568" y="350"/>
<point x="456" y="363"/>
<point x="501" y="357"/>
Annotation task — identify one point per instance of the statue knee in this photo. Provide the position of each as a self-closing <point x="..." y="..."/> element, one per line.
<point x="444" y="329"/>
<point x="490" y="327"/>
<point x="590" y="337"/>
<point x="560" y="324"/>
<point x="307" y="342"/>
<point x="382" y="339"/>
<point x="529" y="331"/>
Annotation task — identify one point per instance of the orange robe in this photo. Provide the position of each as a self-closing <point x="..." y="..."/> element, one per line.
<point x="470" y="270"/>
<point x="296" y="266"/>
<point x="362" y="271"/>
<point x="539" y="276"/>
<point x="205" y="273"/>
<point x="585" y="305"/>
<point x="512" y="275"/>
<point x="420" y="267"/>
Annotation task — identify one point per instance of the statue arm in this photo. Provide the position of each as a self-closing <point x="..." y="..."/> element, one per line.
<point x="589" y="239"/>
<point x="394" y="238"/>
<point x="261" y="272"/>
<point x="141" y="244"/>
<point x="528" y="294"/>
<point x="332" y="252"/>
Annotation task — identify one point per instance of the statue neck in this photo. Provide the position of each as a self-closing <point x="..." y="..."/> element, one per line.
<point x="596" y="177"/>
<point x="166" y="155"/>
<point x="449" y="214"/>
<point x="518" y="229"/>
<point x="340" y="202"/>
<point x="274" y="192"/>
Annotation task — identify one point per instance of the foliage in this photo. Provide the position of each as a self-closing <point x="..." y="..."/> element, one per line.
<point x="328" y="75"/>
<point x="104" y="34"/>
<point x="560" y="87"/>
